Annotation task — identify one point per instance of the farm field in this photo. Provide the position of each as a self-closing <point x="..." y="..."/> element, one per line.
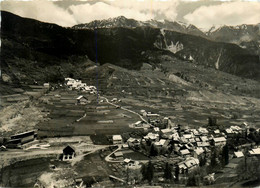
<point x="67" y="119"/>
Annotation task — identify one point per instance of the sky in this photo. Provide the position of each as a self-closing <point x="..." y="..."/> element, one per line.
<point x="202" y="13"/>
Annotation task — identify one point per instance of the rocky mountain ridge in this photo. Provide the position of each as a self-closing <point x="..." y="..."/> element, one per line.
<point x="31" y="48"/>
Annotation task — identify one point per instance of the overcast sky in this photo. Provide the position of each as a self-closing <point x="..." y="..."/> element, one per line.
<point x="203" y="13"/>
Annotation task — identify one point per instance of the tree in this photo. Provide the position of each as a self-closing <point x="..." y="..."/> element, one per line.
<point x="149" y="172"/>
<point x="143" y="171"/>
<point x="191" y="181"/>
<point x="153" y="151"/>
<point x="250" y="168"/>
<point x="225" y="156"/>
<point x="212" y="121"/>
<point x="177" y="172"/>
<point x="168" y="172"/>
<point x="213" y="159"/>
<point x="203" y="161"/>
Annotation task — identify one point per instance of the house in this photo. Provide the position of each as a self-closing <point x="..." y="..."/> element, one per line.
<point x="156" y="129"/>
<point x="191" y="163"/>
<point x="195" y="132"/>
<point x="255" y="151"/>
<point x="24" y="137"/>
<point x="166" y="133"/>
<point x="152" y="137"/>
<point x="198" y="151"/>
<point x="82" y="100"/>
<point x="219" y="141"/>
<point x="138" y="124"/>
<point x="204" y="139"/>
<point x="117" y="139"/>
<point x="68" y="153"/>
<point x="192" y="140"/>
<point x="203" y="131"/>
<point x="3" y="148"/>
<point x="203" y="144"/>
<point x="175" y="137"/>
<point x="114" y="100"/>
<point x="133" y="142"/>
<point x="188" y="165"/>
<point x="118" y="155"/>
<point x="187" y="136"/>
<point x="197" y="139"/>
<point x="229" y="131"/>
<point x="46" y="85"/>
<point x="159" y="144"/>
<point x="238" y="154"/>
<point x="126" y="161"/>
<point x="184" y="152"/>
<point x="151" y="115"/>
<point x="143" y="112"/>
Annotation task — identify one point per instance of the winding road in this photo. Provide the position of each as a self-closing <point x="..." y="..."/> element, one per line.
<point x="125" y="109"/>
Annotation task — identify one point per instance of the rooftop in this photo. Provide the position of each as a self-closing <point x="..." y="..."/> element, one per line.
<point x="219" y="139"/>
<point x="117" y="137"/>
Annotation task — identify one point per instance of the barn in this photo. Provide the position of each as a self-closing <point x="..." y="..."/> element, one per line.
<point x="68" y="153"/>
<point x="82" y="100"/>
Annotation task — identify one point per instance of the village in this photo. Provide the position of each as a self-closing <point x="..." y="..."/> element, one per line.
<point x="154" y="150"/>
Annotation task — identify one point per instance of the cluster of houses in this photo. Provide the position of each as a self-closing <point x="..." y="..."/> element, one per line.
<point x="189" y="144"/>
<point x="73" y="84"/>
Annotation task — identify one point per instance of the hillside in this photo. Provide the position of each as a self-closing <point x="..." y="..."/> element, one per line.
<point x="34" y="48"/>
<point x="246" y="36"/>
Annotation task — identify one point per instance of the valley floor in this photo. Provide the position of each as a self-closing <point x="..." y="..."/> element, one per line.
<point x="187" y="97"/>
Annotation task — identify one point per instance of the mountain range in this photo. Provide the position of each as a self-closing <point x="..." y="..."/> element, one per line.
<point x="246" y="35"/>
<point x="33" y="50"/>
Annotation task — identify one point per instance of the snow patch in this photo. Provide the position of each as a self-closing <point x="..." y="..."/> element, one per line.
<point x="174" y="48"/>
<point x="217" y="62"/>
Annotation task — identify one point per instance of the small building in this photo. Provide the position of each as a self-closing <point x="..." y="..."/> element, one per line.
<point x="82" y="100"/>
<point x="188" y="165"/>
<point x="138" y="124"/>
<point x="203" y="144"/>
<point x="184" y="152"/>
<point x="159" y="144"/>
<point x="117" y="139"/>
<point x="238" y="154"/>
<point x="192" y="163"/>
<point x="150" y="115"/>
<point x="3" y="148"/>
<point x="255" y="151"/>
<point x="133" y="142"/>
<point x="220" y="141"/>
<point x="46" y="85"/>
<point x="24" y="137"/>
<point x="156" y="129"/>
<point x="118" y="155"/>
<point x="203" y="131"/>
<point x="198" y="152"/>
<point x="114" y="100"/>
<point x="68" y="153"/>
<point x="126" y="161"/>
<point x="152" y="136"/>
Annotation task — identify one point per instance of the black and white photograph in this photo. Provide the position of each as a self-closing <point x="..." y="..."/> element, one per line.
<point x="130" y="93"/>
